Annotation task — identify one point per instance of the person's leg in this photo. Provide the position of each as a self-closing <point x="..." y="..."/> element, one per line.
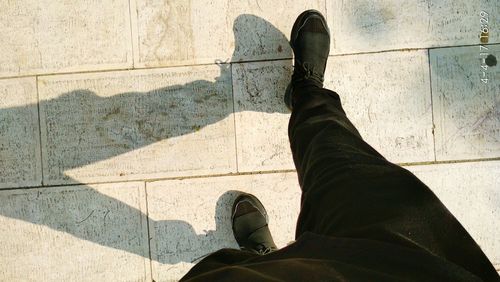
<point x="350" y="190"/>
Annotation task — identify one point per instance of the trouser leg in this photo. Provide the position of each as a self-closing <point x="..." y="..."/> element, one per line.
<point x="350" y="190"/>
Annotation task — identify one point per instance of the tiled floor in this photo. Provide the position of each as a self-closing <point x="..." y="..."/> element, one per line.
<point x="123" y="120"/>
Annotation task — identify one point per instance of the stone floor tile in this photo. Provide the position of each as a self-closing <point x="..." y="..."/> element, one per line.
<point x="203" y="31"/>
<point x="181" y="32"/>
<point x="58" y="36"/>
<point x="367" y="26"/>
<point x="137" y="124"/>
<point x="471" y="192"/>
<point x="76" y="233"/>
<point x="190" y="218"/>
<point x="261" y="116"/>
<point x="20" y="163"/>
<point x="387" y="97"/>
<point x="466" y="109"/>
<point x="261" y="28"/>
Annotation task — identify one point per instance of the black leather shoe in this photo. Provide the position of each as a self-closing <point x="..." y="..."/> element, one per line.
<point x="310" y="41"/>
<point x="250" y="225"/>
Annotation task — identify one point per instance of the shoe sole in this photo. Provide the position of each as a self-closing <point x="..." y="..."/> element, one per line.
<point x="293" y="36"/>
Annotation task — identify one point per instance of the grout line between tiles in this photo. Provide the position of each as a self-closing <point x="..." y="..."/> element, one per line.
<point x="326" y="12"/>
<point x="135" y="68"/>
<point x="234" y="117"/>
<point x="131" y="33"/>
<point x="147" y="226"/>
<point x="155" y="179"/>
<point x="104" y="70"/>
<point x="242" y="174"/>
<point x="39" y="129"/>
<point x="411" y="49"/>
<point x="432" y="104"/>
<point x="449" y="162"/>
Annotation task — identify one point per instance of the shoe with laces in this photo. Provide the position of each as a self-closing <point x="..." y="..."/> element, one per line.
<point x="310" y="42"/>
<point x="250" y="225"/>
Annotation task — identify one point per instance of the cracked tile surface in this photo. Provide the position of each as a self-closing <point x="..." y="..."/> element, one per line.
<point x="55" y="36"/>
<point x="20" y="163"/>
<point x="77" y="233"/>
<point x="261" y="116"/>
<point x="203" y="31"/>
<point x="192" y="218"/>
<point x="370" y="26"/>
<point x="387" y="97"/>
<point x="466" y="97"/>
<point x="135" y="125"/>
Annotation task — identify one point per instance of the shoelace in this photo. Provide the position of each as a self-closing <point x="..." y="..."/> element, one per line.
<point x="260" y="249"/>
<point x="306" y="71"/>
<point x="263" y="250"/>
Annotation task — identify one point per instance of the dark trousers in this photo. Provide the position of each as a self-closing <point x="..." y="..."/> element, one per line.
<point x="361" y="216"/>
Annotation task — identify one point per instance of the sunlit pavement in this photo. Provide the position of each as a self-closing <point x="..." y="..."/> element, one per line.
<point x="127" y="126"/>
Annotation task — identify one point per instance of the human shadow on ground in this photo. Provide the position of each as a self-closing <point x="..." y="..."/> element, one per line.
<point x="82" y="128"/>
<point x="95" y="216"/>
